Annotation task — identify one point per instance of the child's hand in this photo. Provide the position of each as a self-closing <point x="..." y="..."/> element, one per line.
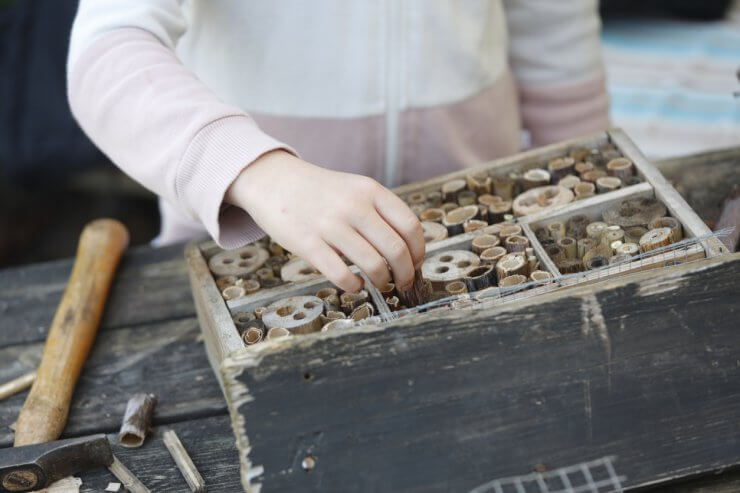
<point x="315" y="213"/>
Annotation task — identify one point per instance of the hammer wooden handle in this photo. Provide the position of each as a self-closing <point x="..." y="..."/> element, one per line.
<point x="72" y="332"/>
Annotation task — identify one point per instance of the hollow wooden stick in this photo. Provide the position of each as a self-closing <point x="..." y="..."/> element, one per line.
<point x="17" y="385"/>
<point x="480" y="277"/>
<point x="417" y="294"/>
<point x="184" y="462"/>
<point x="137" y="420"/>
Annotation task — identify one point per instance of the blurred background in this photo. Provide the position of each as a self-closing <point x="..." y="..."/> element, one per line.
<point x="673" y="76"/>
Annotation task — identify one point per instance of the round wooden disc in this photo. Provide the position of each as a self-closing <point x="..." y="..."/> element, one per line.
<point x="452" y="265"/>
<point x="668" y="222"/>
<point x="298" y="270"/>
<point x="238" y="262"/>
<point x="655" y="238"/>
<point x="433" y="231"/>
<point x="635" y="212"/>
<point x="540" y="199"/>
<point x="460" y="215"/>
<point x="299" y="314"/>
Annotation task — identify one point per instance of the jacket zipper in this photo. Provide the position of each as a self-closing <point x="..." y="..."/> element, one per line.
<point x="392" y="89"/>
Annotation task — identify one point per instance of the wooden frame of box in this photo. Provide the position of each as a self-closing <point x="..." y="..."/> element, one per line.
<point x="233" y="362"/>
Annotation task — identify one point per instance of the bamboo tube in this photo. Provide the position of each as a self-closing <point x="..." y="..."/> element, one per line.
<point x="655" y="238"/>
<point x="569" y="181"/>
<point x="540" y="275"/>
<point x="621" y="168"/>
<point x="455" y="219"/>
<point x="264" y="273"/>
<point x="492" y="255"/>
<point x="350" y="301"/>
<point x="510" y="264"/>
<point x="434" y="214"/>
<point x="479" y="278"/>
<point x="516" y="243"/>
<point x="433" y="231"/>
<point x="259" y="311"/>
<point x="503" y="187"/>
<point x="451" y="188"/>
<point x="535" y="178"/>
<point x="556" y="229"/>
<point x="417" y="198"/>
<point x="555" y="252"/>
<point x="393" y="303"/>
<point x="512" y="280"/>
<point x="17" y="385"/>
<point x="593" y="175"/>
<point x="137" y="420"/>
<point x="484" y="242"/>
<point x="184" y="462"/>
<point x="608" y="184"/>
<point x="276" y="333"/>
<point x="668" y="222"/>
<point x="561" y="167"/>
<point x="330" y="298"/>
<point x="586" y="244"/>
<point x="630" y="249"/>
<point x="233" y="292"/>
<point x="448" y="206"/>
<point x="456" y="287"/>
<point x="417" y="294"/>
<point x="612" y="235"/>
<point x="570" y="247"/>
<point x="224" y="282"/>
<point x="635" y="212"/>
<point x="473" y="225"/>
<point x="579" y="154"/>
<point x="466" y="197"/>
<point x="253" y="335"/>
<point x="366" y="310"/>
<point x="595" y="262"/>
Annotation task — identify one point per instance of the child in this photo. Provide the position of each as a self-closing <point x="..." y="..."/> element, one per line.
<point x="210" y="103"/>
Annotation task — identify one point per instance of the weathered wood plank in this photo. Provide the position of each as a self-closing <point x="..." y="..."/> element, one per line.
<point x="644" y="368"/>
<point x="163" y="358"/>
<point x="150" y="285"/>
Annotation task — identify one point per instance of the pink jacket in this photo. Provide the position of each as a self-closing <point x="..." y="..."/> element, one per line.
<point x="182" y="95"/>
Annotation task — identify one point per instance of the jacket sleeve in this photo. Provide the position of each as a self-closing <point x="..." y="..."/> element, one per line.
<point x="154" y="118"/>
<point x="555" y="55"/>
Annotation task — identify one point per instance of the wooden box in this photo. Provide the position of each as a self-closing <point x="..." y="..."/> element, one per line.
<point x="437" y="401"/>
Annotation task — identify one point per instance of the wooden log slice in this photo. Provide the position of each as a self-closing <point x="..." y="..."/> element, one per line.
<point x="503" y="186"/>
<point x="479" y="182"/>
<point x="297" y="315"/>
<point x="433" y="231"/>
<point x="498" y="210"/>
<point x="466" y="197"/>
<point x="633" y="234"/>
<point x="474" y="225"/>
<point x="635" y="212"/>
<point x="455" y="288"/>
<point x="480" y="277"/>
<point x="455" y="219"/>
<point x="433" y="214"/>
<point x="513" y="280"/>
<point x="484" y="242"/>
<point x="238" y="262"/>
<point x="584" y="189"/>
<point x="444" y="267"/>
<point x="655" y="238"/>
<point x="451" y="188"/>
<point x="569" y="181"/>
<point x="541" y="199"/>
<point x="668" y="222"/>
<point x="620" y="167"/>
<point x="487" y="199"/>
<point x="492" y="255"/>
<point x="608" y="184"/>
<point x="535" y="178"/>
<point x="540" y="276"/>
<point x="510" y="264"/>
<point x="516" y="243"/>
<point x="298" y="270"/>
<point x="560" y="167"/>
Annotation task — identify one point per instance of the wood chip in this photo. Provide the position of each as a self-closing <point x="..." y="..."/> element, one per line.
<point x="184" y="462"/>
<point x="113" y="487"/>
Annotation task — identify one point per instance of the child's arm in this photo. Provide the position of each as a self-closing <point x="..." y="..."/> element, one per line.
<point x="157" y="121"/>
<point x="555" y="54"/>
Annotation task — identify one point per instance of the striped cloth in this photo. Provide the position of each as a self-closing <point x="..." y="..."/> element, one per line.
<point x="673" y="84"/>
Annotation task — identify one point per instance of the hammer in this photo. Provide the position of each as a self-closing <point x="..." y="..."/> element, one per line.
<point x="70" y="338"/>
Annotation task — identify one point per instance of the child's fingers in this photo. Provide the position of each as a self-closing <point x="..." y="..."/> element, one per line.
<point x="397" y="214"/>
<point x="389" y="244"/>
<point x="327" y="261"/>
<point x="361" y="253"/>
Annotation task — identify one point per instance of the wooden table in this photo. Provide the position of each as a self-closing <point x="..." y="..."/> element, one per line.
<point x="148" y="342"/>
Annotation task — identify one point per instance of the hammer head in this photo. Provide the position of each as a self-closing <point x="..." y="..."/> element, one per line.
<point x="33" y="467"/>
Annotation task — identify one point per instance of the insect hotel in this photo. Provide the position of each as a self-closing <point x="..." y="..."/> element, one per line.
<point x="539" y="332"/>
